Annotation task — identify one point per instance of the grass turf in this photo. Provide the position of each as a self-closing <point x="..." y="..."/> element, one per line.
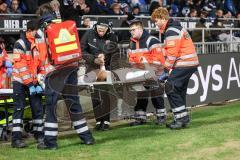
<point x="214" y="133"/>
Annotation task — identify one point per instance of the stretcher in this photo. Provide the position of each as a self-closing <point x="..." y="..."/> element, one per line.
<point x="6" y="110"/>
<point x="119" y="82"/>
<point x="6" y="101"/>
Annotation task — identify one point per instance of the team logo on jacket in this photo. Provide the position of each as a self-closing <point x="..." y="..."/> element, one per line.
<point x="94" y="40"/>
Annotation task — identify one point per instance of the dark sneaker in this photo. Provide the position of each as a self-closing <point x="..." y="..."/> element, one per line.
<point x="18" y="144"/>
<point x="43" y="146"/>
<point x="179" y="124"/>
<point x="161" y="120"/>
<point x="98" y="126"/>
<point x="89" y="141"/>
<point x="105" y="126"/>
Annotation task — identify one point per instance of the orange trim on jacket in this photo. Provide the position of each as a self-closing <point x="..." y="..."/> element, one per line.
<point x="26" y="64"/>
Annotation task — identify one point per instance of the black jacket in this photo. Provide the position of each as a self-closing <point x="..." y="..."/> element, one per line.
<point x="92" y="45"/>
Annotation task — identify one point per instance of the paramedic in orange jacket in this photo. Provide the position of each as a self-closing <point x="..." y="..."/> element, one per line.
<point x="24" y="82"/>
<point x="145" y="48"/>
<point x="181" y="59"/>
<point x="71" y="100"/>
<point x="5" y="66"/>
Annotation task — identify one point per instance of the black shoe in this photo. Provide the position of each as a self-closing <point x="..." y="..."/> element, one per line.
<point x="105" y="126"/>
<point x="98" y="126"/>
<point x="89" y="141"/>
<point x="40" y="140"/>
<point x="161" y="120"/>
<point x="137" y="123"/>
<point x="43" y="146"/>
<point x="179" y="124"/>
<point x="18" y="144"/>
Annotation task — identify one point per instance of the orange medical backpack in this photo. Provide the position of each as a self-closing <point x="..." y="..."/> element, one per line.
<point x="62" y="39"/>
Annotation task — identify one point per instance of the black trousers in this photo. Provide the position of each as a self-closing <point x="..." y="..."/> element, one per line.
<point x="71" y="98"/>
<point x="103" y="102"/>
<point x="156" y="98"/>
<point x="19" y="95"/>
<point x="158" y="103"/>
<point x="179" y="79"/>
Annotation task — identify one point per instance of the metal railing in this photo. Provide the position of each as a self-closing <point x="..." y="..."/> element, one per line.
<point x="217" y="47"/>
<point x="201" y="47"/>
<point x="123" y="16"/>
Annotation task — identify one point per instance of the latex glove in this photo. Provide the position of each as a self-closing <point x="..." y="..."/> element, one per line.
<point x="163" y="76"/>
<point x="9" y="72"/>
<point x="8" y="64"/>
<point x="32" y="90"/>
<point x="39" y="89"/>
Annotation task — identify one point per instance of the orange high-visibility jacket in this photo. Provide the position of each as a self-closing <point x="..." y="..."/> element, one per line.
<point x="179" y="49"/>
<point x="43" y="52"/>
<point x="26" y="63"/>
<point x="148" y="47"/>
<point x="3" y="74"/>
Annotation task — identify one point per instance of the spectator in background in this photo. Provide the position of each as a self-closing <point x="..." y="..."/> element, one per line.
<point x="103" y="7"/>
<point x="3" y="8"/>
<point x="193" y="13"/>
<point x="237" y="25"/>
<point x="14" y="8"/>
<point x="93" y="7"/>
<point x="85" y="24"/>
<point x="197" y="35"/>
<point x="56" y="8"/>
<point x="219" y="13"/>
<point x="227" y="14"/>
<point x="72" y="10"/>
<point x="141" y="4"/>
<point x="136" y="10"/>
<point x="124" y="35"/>
<point x="186" y="5"/>
<point x="22" y="5"/>
<point x="31" y="6"/>
<point x="215" y="33"/>
<point x="125" y="8"/>
<point x="173" y="10"/>
<point x="203" y="14"/>
<point x="198" y="6"/>
<point x="84" y="7"/>
<point x="210" y="7"/>
<point x="228" y="22"/>
<point x="154" y="5"/>
<point x="116" y="9"/>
